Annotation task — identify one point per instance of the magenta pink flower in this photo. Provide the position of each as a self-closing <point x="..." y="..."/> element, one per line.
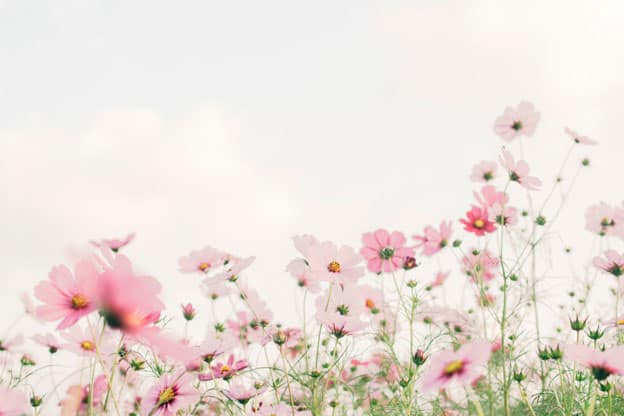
<point x="202" y="261"/>
<point x="480" y="265"/>
<point x="519" y="172"/>
<point x="461" y="367"/>
<point x="601" y="363"/>
<point x="612" y="262"/>
<point x="484" y="171"/>
<point x="114" y="244"/>
<point x="225" y="370"/>
<point x="13" y="402"/>
<point x="384" y="251"/>
<point x="579" y="138"/>
<point x="478" y="221"/>
<point x="605" y="220"/>
<point x="434" y="240"/>
<point x="65" y="297"/>
<point x="516" y="122"/>
<point x="330" y="263"/>
<point x="170" y="395"/>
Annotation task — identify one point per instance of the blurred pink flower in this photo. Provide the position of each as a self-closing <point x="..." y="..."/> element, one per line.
<point x="65" y="297"/>
<point x="484" y="171"/>
<point x="114" y="243"/>
<point x="490" y="196"/>
<point x="579" y="138"/>
<point x="478" y="221"/>
<point x="439" y="279"/>
<point x="504" y="215"/>
<point x="300" y="270"/>
<point x="202" y="261"/>
<point x="612" y="262"/>
<point x="480" y="265"/>
<point x="13" y="402"/>
<point x="601" y="363"/>
<point x="330" y="263"/>
<point x="519" y="172"/>
<point x="434" y="240"/>
<point x="233" y="269"/>
<point x="340" y="310"/>
<point x="48" y="340"/>
<point x="516" y="122"/>
<point x="460" y="367"/>
<point x="83" y="343"/>
<point x="241" y="393"/>
<point x="384" y="251"/>
<point x="605" y="220"/>
<point x="171" y="394"/>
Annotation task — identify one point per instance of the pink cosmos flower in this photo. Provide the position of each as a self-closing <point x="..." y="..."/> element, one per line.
<point x="234" y="268"/>
<point x="215" y="343"/>
<point x="170" y="395"/>
<point x="13" y="402"/>
<point x="48" y="340"/>
<point x="241" y="393"/>
<point x="259" y="309"/>
<point x="215" y="288"/>
<point x="434" y="240"/>
<point x="225" y="370"/>
<point x="65" y="297"/>
<point x="519" y="172"/>
<point x="504" y="215"/>
<point x="77" y="397"/>
<point x="371" y="298"/>
<point x="339" y="311"/>
<point x="300" y="270"/>
<point x="484" y="171"/>
<point x="579" y="138"/>
<point x="188" y="311"/>
<point x="384" y="251"/>
<point x="601" y="363"/>
<point x="612" y="262"/>
<point x="605" y="220"/>
<point x="279" y="409"/>
<point x="330" y="263"/>
<point x="439" y="279"/>
<point x="83" y="343"/>
<point x="478" y="221"/>
<point x="490" y="196"/>
<point x="516" y="122"/>
<point x="460" y="367"/>
<point x="114" y="244"/>
<point x="202" y="261"/>
<point x="304" y="242"/>
<point x="480" y="265"/>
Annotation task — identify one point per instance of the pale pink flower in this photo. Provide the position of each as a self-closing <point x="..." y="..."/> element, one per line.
<point x="579" y="138"/>
<point x="434" y="240"/>
<point x="13" y="402"/>
<point x="202" y="261"/>
<point x="83" y="343"/>
<point x="330" y="263"/>
<point x="516" y="122"/>
<point x="48" y="340"/>
<point x="114" y="244"/>
<point x="77" y="397"/>
<point x="216" y="288"/>
<point x="279" y="409"/>
<point x="339" y="311"/>
<point x="300" y="270"/>
<point x="171" y="394"/>
<point x="504" y="215"/>
<point x="490" y="196"/>
<point x="484" y="171"/>
<point x="242" y="393"/>
<point x="371" y="297"/>
<point x="65" y="297"/>
<point x="519" y="172"/>
<point x="385" y="252"/>
<point x="460" y="367"/>
<point x="234" y="268"/>
<point x="303" y="243"/>
<point x="480" y="265"/>
<point x="478" y="221"/>
<point x="601" y="363"/>
<point x="225" y="370"/>
<point x="612" y="262"/>
<point x="215" y="343"/>
<point x="256" y="305"/>
<point x="439" y="279"/>
<point x="605" y="220"/>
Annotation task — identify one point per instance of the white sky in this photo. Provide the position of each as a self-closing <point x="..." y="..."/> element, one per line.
<point x="240" y="124"/>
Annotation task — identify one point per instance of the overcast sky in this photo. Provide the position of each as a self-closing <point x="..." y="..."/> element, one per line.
<point x="240" y="124"/>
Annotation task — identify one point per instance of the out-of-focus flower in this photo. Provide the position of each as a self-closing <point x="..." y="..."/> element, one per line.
<point x="480" y="265"/>
<point x="225" y="370"/>
<point x="241" y="393"/>
<point x="605" y="220"/>
<point x="202" y="261"/>
<point x="300" y="270"/>
<point x="114" y="244"/>
<point x="234" y="268"/>
<point x="170" y="395"/>
<point x="516" y="122"/>
<point x="434" y="240"/>
<point x="13" y="402"/>
<point x="601" y="363"/>
<point x="579" y="138"/>
<point x="339" y="311"/>
<point x="48" y="340"/>
<point x="519" y="172"/>
<point x="385" y="251"/>
<point x="612" y="262"/>
<point x="484" y="171"/>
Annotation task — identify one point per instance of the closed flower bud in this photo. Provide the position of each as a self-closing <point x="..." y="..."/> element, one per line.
<point x="577" y="324"/>
<point x="419" y="357"/>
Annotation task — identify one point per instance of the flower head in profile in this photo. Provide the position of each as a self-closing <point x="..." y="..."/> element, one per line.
<point x="171" y="394"/>
<point x="484" y="171"/>
<point x="605" y="220"/>
<point x="242" y="393"/>
<point x="578" y="138"/>
<point x="47" y="340"/>
<point x="516" y="122"/>
<point x="612" y="262"/>
<point x="434" y="239"/>
<point x="202" y="261"/>
<point x="384" y="251"/>
<point x="68" y="297"/>
<point x="461" y="367"/>
<point x="519" y="172"/>
<point x="480" y="265"/>
<point x="601" y="363"/>
<point x="478" y="222"/>
<point x="13" y="402"/>
<point x="504" y="215"/>
<point x="114" y="244"/>
<point x="439" y="279"/>
<point x="225" y="370"/>
<point x="330" y="263"/>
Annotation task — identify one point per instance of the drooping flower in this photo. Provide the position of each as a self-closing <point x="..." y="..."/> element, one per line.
<point x="434" y="240"/>
<point x="202" y="261"/>
<point x="580" y="139"/>
<point x="114" y="244"/>
<point x="13" y="402"/>
<point x="480" y="265"/>
<point x="170" y="395"/>
<point x="519" y="172"/>
<point x="188" y="311"/>
<point x="385" y="251"/>
<point x="605" y="220"/>
<point x="461" y="367"/>
<point x="478" y="221"/>
<point x="484" y="171"/>
<point x="225" y="370"/>
<point x="516" y="122"/>
<point x="330" y="263"/>
<point x="612" y="262"/>
<point x="68" y="298"/>
<point x="601" y="363"/>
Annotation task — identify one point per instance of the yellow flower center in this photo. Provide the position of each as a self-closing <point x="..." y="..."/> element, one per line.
<point x="79" y="302"/>
<point x="166" y="396"/>
<point x="620" y="322"/>
<point x="87" y="345"/>
<point x="479" y="223"/>
<point x="203" y="266"/>
<point x="225" y="368"/>
<point x="453" y="367"/>
<point x="334" y="267"/>
<point x="370" y="304"/>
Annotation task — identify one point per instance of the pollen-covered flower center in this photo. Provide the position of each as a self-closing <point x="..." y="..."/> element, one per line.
<point x="203" y="266"/>
<point x="333" y="267"/>
<point x="454" y="367"/>
<point x="386" y="253"/>
<point x="517" y="125"/>
<point x="370" y="304"/>
<point x="342" y="309"/>
<point x="225" y="369"/>
<point x="78" y="301"/>
<point x="87" y="345"/>
<point x="166" y="396"/>
<point x="479" y="223"/>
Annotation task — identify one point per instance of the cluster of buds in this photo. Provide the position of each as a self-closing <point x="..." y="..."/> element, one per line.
<point x="550" y="353"/>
